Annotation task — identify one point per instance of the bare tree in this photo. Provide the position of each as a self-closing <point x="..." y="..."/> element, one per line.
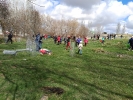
<point x="49" y="25"/>
<point x="99" y="29"/>
<point x="123" y="29"/>
<point x="90" y="29"/>
<point x="72" y="27"/>
<point x="4" y="14"/>
<point x="64" y="27"/>
<point x="83" y="30"/>
<point x="24" y="19"/>
<point x="118" y="28"/>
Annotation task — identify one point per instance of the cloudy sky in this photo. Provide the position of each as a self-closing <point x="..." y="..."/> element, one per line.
<point x="106" y="13"/>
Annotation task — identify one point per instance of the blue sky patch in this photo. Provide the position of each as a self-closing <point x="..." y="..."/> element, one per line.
<point x="125" y="1"/>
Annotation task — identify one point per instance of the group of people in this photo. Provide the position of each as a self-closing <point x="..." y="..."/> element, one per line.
<point x="110" y="36"/>
<point x="96" y="36"/>
<point x="77" y="41"/>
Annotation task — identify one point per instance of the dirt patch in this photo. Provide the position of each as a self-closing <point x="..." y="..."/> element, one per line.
<point x="56" y="90"/>
<point x="44" y="98"/>
<point x="98" y="50"/>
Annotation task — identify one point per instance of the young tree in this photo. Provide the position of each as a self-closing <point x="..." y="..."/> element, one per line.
<point x="24" y="19"/>
<point x="72" y="27"/>
<point x="83" y="30"/>
<point x="99" y="29"/>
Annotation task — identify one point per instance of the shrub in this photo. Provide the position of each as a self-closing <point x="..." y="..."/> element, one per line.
<point x="98" y="50"/>
<point x="121" y="44"/>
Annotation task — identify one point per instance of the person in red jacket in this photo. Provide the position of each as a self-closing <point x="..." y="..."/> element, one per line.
<point x="58" y="39"/>
<point x="68" y="43"/>
<point x="85" y="41"/>
<point x="45" y="51"/>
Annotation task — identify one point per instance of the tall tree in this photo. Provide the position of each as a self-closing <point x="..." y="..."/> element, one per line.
<point x="123" y="29"/>
<point x="118" y="28"/>
<point x="4" y="14"/>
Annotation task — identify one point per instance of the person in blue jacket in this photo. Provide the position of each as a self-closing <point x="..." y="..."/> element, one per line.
<point x="37" y="40"/>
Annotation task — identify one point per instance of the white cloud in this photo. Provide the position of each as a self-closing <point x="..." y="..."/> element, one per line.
<point x="118" y="10"/>
<point x="67" y="12"/>
<point x="84" y="4"/>
<point x="130" y="5"/>
<point x="44" y="5"/>
<point x="99" y="12"/>
<point x="130" y="22"/>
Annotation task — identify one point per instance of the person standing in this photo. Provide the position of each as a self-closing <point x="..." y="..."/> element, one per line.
<point x="78" y="41"/>
<point x="103" y="40"/>
<point x="55" y="39"/>
<point x="80" y="46"/>
<point x="37" y="42"/>
<point x="40" y="42"/>
<point x="114" y="36"/>
<point x="131" y="43"/>
<point x="65" y="40"/>
<point x="58" y="39"/>
<point x="10" y="35"/>
<point x="68" y="43"/>
<point x="121" y="36"/>
<point x="85" y="41"/>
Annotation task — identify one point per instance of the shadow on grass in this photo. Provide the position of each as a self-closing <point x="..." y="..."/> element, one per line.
<point x="93" y="86"/>
<point x="16" y="85"/>
<point x="27" y="82"/>
<point x="23" y="83"/>
<point x="122" y="77"/>
<point x="111" y="75"/>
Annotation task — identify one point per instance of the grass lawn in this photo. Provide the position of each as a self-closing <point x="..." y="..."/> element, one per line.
<point x="102" y="72"/>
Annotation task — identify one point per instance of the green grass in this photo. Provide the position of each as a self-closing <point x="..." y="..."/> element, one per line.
<point x="102" y="72"/>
